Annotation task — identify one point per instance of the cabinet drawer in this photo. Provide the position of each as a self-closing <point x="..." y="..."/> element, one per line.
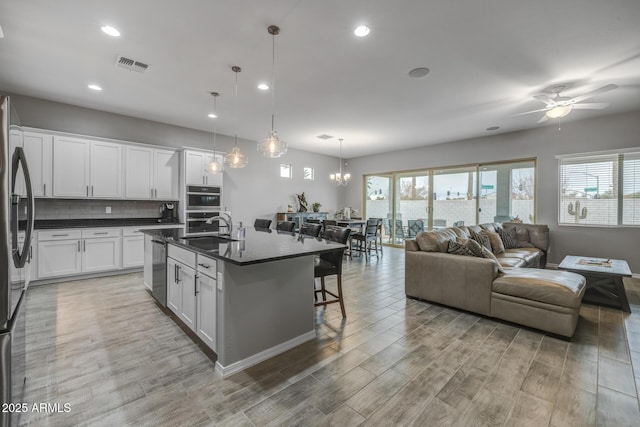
<point x="44" y="236"/>
<point x="131" y="231"/>
<point x="89" y="233"/>
<point x="182" y="255"/>
<point x="207" y="266"/>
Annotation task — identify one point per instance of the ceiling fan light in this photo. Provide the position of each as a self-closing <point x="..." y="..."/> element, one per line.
<point x="559" y="111"/>
<point x="272" y="146"/>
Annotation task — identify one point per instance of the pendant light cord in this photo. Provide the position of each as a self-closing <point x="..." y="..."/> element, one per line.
<point x="273" y="81"/>
<point x="215" y="113"/>
<point x="236" y="101"/>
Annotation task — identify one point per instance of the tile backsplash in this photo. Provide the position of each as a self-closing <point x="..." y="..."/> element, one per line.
<point x="93" y="209"/>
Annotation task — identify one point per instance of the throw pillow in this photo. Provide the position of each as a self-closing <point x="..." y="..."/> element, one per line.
<point x="486" y="253"/>
<point x="496" y="242"/>
<point x="481" y="238"/>
<point x="508" y="237"/>
<point x="457" y="248"/>
<point x="472" y="245"/>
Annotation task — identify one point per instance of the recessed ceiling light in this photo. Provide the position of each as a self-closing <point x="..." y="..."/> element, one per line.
<point x="418" y="73"/>
<point x="493" y="128"/>
<point x="361" y="30"/>
<point x="212" y="116"/>
<point x="263" y="86"/>
<point x="94" y="87"/>
<point x="108" y="29"/>
<point x="324" y="136"/>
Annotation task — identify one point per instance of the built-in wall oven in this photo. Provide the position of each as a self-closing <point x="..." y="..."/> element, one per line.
<point x="204" y="197"/>
<point x="197" y="222"/>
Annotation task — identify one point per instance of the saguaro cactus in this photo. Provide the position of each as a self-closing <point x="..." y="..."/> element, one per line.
<point x="577" y="213"/>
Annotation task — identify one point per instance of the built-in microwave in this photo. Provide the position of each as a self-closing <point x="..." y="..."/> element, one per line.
<point x="197" y="222"/>
<point x="201" y="197"/>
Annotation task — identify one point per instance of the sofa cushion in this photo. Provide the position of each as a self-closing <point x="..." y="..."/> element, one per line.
<point x="548" y="286"/>
<point x="496" y="242"/>
<point x="509" y="238"/>
<point x="510" y="262"/>
<point x="486" y="253"/>
<point x="531" y="256"/>
<point x="435" y="241"/>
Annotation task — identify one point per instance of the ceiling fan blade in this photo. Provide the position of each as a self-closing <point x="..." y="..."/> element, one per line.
<point x="544" y="118"/>
<point x="544" y="98"/>
<point x="532" y="111"/>
<point x="591" y="106"/>
<point x="595" y="92"/>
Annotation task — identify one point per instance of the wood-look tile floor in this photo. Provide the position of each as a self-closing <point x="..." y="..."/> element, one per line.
<point x="105" y="348"/>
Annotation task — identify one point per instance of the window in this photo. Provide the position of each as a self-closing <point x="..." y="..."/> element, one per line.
<point x="600" y="189"/>
<point x="286" y="171"/>
<point x="308" y="173"/>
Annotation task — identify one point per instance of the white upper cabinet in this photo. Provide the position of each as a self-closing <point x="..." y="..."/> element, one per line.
<point x="38" y="147"/>
<point x="166" y="174"/>
<point x="71" y="157"/>
<point x="85" y="168"/>
<point x="196" y="168"/>
<point x="138" y="172"/>
<point x="106" y="170"/>
<point x="151" y="173"/>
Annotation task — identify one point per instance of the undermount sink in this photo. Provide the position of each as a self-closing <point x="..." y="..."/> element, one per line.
<point x="211" y="239"/>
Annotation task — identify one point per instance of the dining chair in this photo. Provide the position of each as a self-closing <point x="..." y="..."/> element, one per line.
<point x="368" y="238"/>
<point x="285" y="226"/>
<point x="330" y="264"/>
<point x="458" y="223"/>
<point x="309" y="229"/>
<point x="399" y="230"/>
<point x="415" y="226"/>
<point x="262" y="223"/>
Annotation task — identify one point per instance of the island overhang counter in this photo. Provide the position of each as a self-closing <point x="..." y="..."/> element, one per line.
<point x="264" y="302"/>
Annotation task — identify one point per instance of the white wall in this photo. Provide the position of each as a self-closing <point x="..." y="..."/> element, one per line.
<point x="251" y="192"/>
<point x="604" y="133"/>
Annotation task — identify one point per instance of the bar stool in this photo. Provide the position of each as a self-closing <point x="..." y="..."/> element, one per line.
<point x="262" y="223"/>
<point x="329" y="264"/>
<point x="286" y="226"/>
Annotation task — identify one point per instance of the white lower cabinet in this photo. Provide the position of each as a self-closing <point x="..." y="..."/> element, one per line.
<point x="191" y="291"/>
<point x="69" y="252"/>
<point x="133" y="251"/>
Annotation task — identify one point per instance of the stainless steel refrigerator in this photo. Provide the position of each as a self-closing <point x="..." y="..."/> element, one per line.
<point x="16" y="230"/>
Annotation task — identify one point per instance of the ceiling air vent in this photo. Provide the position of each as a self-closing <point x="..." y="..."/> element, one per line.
<point x="324" y="136"/>
<point x="131" y="64"/>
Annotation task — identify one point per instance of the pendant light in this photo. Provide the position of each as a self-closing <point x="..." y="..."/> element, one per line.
<point x="339" y="178"/>
<point x="235" y="159"/>
<point x="214" y="166"/>
<point x="272" y="146"/>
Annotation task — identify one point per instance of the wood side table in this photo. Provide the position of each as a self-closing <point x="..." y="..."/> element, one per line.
<point x="604" y="279"/>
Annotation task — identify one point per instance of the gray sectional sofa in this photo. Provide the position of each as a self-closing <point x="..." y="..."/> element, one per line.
<point x="516" y="288"/>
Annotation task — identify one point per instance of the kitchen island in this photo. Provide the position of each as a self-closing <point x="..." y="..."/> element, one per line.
<point x="249" y="299"/>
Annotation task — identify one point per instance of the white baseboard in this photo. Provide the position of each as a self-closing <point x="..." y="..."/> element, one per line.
<point x="243" y="364"/>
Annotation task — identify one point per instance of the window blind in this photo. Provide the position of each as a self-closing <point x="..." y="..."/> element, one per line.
<point x="600" y="189"/>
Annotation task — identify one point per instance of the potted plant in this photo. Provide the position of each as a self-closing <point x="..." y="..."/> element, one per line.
<point x="316" y="207"/>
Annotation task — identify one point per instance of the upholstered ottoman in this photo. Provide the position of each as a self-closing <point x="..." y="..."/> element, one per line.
<point x="543" y="299"/>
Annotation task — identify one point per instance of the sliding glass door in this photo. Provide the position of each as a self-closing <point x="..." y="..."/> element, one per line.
<point x="379" y="202"/>
<point x="413" y="201"/>
<point x="454" y="196"/>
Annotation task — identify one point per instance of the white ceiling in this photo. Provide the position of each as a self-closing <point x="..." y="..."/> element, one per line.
<point x="487" y="59"/>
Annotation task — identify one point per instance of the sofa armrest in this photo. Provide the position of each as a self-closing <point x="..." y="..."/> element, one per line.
<point x="454" y="280"/>
<point x="411" y="245"/>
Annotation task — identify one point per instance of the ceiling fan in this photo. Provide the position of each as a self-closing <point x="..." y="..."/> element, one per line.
<point x="557" y="106"/>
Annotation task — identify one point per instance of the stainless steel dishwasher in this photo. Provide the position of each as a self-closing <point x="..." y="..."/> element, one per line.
<point x="159" y="272"/>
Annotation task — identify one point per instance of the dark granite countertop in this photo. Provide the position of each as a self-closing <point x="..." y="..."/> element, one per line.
<point x="44" y="224"/>
<point x="259" y="246"/>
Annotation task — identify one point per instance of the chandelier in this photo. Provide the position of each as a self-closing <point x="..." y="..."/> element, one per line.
<point x="272" y="146"/>
<point x="340" y="178"/>
<point x="235" y="159"/>
<point x="214" y="166"/>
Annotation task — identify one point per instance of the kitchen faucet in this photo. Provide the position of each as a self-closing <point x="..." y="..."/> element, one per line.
<point x="227" y="221"/>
